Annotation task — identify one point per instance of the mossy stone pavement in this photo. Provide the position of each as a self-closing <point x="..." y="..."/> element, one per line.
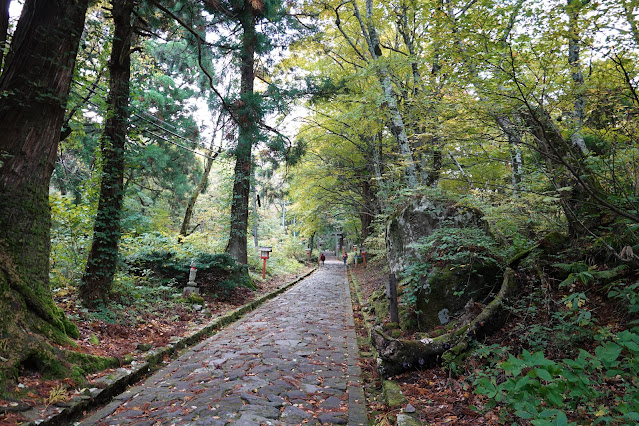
<point x="291" y="361"/>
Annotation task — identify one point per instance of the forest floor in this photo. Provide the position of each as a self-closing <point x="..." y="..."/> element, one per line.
<point x="440" y="397"/>
<point x="437" y="397"/>
<point x="129" y="332"/>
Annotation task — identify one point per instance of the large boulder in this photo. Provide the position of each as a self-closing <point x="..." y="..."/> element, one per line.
<point x="418" y="220"/>
<point x="450" y="283"/>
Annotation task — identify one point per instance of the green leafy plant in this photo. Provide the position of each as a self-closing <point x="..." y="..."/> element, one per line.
<point x="463" y="248"/>
<point x="541" y="390"/>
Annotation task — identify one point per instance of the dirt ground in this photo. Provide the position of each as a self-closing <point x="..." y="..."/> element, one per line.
<point x="121" y="338"/>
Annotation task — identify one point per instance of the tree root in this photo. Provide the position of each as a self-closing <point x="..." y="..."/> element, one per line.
<point x="397" y="355"/>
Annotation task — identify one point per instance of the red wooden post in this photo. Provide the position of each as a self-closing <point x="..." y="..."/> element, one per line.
<point x="264" y="269"/>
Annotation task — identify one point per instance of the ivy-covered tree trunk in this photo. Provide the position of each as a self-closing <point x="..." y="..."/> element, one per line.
<point x="34" y="89"/>
<point x="102" y="262"/>
<point x="246" y="111"/>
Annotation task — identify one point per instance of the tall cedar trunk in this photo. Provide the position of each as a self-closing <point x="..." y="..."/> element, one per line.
<point x="4" y="26"/>
<point x="256" y="220"/>
<point x="186" y="223"/>
<point x="246" y="112"/>
<point x="34" y="88"/>
<point x="103" y="256"/>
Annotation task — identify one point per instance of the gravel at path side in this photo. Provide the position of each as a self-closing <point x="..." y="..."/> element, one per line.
<point x="291" y="361"/>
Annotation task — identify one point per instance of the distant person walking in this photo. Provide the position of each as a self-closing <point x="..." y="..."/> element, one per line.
<point x="345" y="257"/>
<point x="322" y="258"/>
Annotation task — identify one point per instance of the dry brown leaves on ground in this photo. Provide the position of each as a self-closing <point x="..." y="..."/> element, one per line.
<point x="98" y="337"/>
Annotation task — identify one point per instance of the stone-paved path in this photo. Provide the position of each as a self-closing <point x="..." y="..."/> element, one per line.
<point x="291" y="361"/>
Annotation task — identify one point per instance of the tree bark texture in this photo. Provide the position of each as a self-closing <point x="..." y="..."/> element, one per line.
<point x="574" y="47"/>
<point x="247" y="113"/>
<point x="103" y="257"/>
<point x="389" y="94"/>
<point x="584" y="200"/>
<point x="4" y="26"/>
<point x="34" y="88"/>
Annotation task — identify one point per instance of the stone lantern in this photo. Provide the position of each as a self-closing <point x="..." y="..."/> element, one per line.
<point x="264" y="254"/>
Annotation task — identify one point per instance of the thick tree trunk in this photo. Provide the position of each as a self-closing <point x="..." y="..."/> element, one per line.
<point x="34" y="88"/>
<point x="4" y="26"/>
<point x="103" y="257"/>
<point x="247" y="113"/>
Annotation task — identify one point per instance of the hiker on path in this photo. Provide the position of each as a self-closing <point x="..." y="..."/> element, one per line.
<point x="322" y="258"/>
<point x="345" y="257"/>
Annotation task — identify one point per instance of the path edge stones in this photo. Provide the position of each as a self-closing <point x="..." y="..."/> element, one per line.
<point x="357" y="411"/>
<point x="391" y="391"/>
<point x="107" y="388"/>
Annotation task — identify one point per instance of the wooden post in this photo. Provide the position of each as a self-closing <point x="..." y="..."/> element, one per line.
<point x="391" y="294"/>
<point x="264" y="268"/>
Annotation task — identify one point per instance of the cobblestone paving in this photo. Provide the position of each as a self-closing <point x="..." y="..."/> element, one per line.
<point x="291" y="361"/>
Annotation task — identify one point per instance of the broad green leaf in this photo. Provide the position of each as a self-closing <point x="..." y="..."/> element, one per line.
<point x="608" y="353"/>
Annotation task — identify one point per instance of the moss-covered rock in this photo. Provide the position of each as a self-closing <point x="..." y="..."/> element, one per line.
<point x="393" y="394"/>
<point x="450" y="290"/>
<point x="379" y="303"/>
<point x="419" y="219"/>
<point x="447" y="260"/>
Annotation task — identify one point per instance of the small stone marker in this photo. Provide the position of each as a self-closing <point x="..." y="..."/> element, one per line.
<point x="191" y="286"/>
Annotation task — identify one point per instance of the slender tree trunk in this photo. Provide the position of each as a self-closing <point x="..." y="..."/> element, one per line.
<point x="368" y="212"/>
<point x="4" y="26"/>
<point x="255" y="221"/>
<point x="514" y="141"/>
<point x="390" y="97"/>
<point x="247" y="110"/>
<point x="103" y="257"/>
<point x="34" y="89"/>
<point x="188" y="214"/>
<point x="376" y="157"/>
<point x="429" y="173"/>
<point x="506" y="125"/>
<point x="574" y="46"/>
